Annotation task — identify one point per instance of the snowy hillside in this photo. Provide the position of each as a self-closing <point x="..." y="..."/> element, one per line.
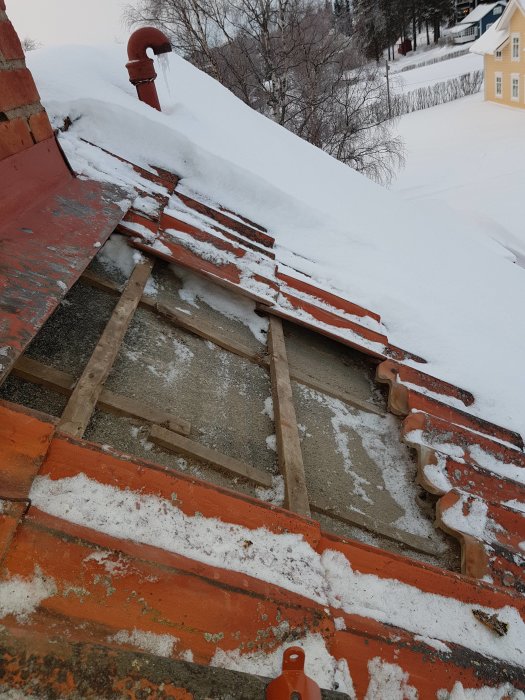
<point x="445" y="289"/>
<point x="474" y="163"/>
<point x="436" y="72"/>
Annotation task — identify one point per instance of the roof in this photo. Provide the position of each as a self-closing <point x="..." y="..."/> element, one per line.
<point x="479" y="12"/>
<point x="490" y="41"/>
<point x="375" y="247"/>
<point x="475" y="16"/>
<point x="107" y="553"/>
<point x="498" y="34"/>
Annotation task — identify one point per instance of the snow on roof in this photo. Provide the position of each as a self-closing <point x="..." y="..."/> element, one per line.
<point x="461" y="27"/>
<point x="444" y="291"/>
<point x="490" y="41"/>
<point x="478" y="13"/>
<point x="496" y="35"/>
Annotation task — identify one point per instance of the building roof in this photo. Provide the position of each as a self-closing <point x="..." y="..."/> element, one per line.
<point x="329" y="223"/>
<point x="479" y="12"/>
<point x="474" y="17"/>
<point x="496" y="36"/>
<point x="490" y="41"/>
<point x="102" y="549"/>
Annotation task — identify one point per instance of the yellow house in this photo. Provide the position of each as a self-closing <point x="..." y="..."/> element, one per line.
<point x="503" y="46"/>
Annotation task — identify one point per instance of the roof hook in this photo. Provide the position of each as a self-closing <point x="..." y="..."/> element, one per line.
<point x="141" y="68"/>
<point x="293" y="682"/>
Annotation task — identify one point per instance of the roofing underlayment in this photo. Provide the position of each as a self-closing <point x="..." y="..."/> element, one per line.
<point x="248" y="269"/>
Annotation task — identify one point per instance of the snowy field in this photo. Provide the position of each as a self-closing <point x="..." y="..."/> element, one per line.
<point x="424" y="53"/>
<point x="436" y="72"/>
<point x="469" y="156"/>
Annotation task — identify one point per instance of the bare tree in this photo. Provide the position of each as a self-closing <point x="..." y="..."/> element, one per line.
<point x="29" y="44"/>
<point x="288" y="60"/>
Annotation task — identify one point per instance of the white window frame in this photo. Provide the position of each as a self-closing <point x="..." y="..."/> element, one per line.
<point x="513" y="44"/>
<point x="514" y="79"/>
<point x="500" y="93"/>
<point x="498" y="54"/>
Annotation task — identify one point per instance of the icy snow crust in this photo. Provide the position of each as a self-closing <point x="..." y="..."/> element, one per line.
<point x="285" y="560"/>
<point x="445" y="290"/>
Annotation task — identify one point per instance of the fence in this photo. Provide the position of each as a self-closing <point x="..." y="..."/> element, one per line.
<point x="437" y="94"/>
<point x="438" y="59"/>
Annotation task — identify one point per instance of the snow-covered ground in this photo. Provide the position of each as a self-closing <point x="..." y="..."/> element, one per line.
<point x="445" y="289"/>
<point x="436" y="72"/>
<point x="423" y="53"/>
<point x="469" y="155"/>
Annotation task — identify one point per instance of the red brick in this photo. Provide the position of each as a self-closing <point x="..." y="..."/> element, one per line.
<point x="17" y="88"/>
<point x="10" y="46"/>
<point x="14" y="137"/>
<point x="40" y="126"/>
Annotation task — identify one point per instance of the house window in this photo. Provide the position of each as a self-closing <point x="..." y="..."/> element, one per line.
<point x="497" y="10"/>
<point x="515" y="47"/>
<point x="498" y="55"/>
<point x="515" y="87"/>
<point x="498" y="88"/>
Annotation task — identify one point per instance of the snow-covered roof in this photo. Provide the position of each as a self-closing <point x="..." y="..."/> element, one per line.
<point x="490" y="41"/>
<point x="153" y="550"/>
<point x="461" y="27"/>
<point x="498" y="34"/>
<point x="425" y="272"/>
<point x="478" y="13"/>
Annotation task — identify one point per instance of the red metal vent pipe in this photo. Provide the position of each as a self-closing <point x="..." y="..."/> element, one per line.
<point x="141" y="68"/>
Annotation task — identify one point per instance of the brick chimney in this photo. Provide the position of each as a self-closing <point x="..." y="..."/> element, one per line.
<point x="23" y="120"/>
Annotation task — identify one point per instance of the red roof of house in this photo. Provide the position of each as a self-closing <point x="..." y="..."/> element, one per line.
<point x="89" y="583"/>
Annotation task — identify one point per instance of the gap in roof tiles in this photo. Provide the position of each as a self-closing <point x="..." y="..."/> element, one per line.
<point x="356" y="466"/>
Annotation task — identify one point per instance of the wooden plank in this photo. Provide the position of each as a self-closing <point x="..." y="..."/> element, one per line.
<point x="37" y="373"/>
<point x="63" y="383"/>
<point x="286" y="430"/>
<point x="182" y="445"/>
<point x="208" y="332"/>
<point x="303" y="378"/>
<point x="84" y="398"/>
<point x="124" y="406"/>
<point x="178" y="318"/>
<point x="376" y="527"/>
<point x="106" y="285"/>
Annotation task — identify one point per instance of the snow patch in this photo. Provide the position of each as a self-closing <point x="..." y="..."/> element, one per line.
<point x="21" y="596"/>
<point x="268" y="408"/>
<point x="436" y="474"/>
<point x="435" y="643"/>
<point x="320" y="665"/>
<point x="426" y="614"/>
<point x="388" y="682"/>
<point x="117" y="254"/>
<point x="275" y="494"/>
<point x="233" y="306"/>
<point x="380" y="439"/>
<point x="271" y="442"/>
<point x="503" y="692"/>
<point x="515" y="505"/>
<point x="283" y="559"/>
<point x="159" y="644"/>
